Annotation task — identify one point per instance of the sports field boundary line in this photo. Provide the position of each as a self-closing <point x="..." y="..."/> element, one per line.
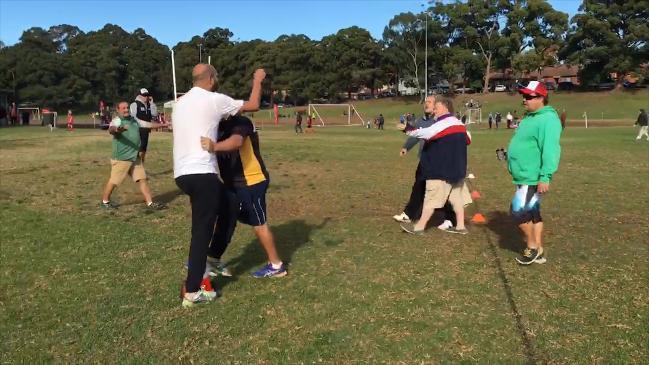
<point x="522" y="330"/>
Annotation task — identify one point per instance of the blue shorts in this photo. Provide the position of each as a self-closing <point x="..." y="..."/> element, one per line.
<point x="252" y="204"/>
<point x="526" y="205"/>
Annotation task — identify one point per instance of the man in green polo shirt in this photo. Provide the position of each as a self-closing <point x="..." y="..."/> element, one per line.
<point x="533" y="157"/>
<point x="124" y="160"/>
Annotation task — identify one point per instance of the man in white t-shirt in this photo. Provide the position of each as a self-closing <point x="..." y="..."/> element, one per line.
<point x="198" y="114"/>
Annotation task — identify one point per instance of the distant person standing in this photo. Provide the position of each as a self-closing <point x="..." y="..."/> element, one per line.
<point x="381" y="121"/>
<point x="510" y="120"/>
<point x="142" y="110"/>
<point x="298" y="122"/>
<point x="499" y="118"/>
<point x="491" y="119"/>
<point x="642" y="121"/>
<point x="533" y="158"/>
<point x="13" y="114"/>
<point x="70" y="121"/>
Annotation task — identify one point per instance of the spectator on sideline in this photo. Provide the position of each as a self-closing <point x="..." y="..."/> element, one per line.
<point x="298" y="122"/>
<point x="125" y="160"/>
<point x="198" y="114"/>
<point x="563" y="117"/>
<point x="143" y="109"/>
<point x="498" y="119"/>
<point x="13" y="114"/>
<point x="381" y="121"/>
<point x="642" y="121"/>
<point x="70" y="121"/>
<point x="533" y="157"/>
<point x="245" y="181"/>
<point x="491" y="119"/>
<point x="509" y="119"/>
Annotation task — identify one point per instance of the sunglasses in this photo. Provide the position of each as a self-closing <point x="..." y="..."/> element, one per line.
<point x="530" y="97"/>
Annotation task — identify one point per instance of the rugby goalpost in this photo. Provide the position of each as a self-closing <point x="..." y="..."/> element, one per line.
<point x="474" y="116"/>
<point x="318" y="111"/>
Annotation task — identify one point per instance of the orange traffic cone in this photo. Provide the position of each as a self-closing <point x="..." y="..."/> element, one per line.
<point x="475" y="195"/>
<point x="478" y="218"/>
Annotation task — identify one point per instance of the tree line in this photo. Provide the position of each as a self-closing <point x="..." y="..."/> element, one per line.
<point x="64" y="67"/>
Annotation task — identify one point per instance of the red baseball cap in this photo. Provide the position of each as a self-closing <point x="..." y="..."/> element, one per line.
<point x="534" y="88"/>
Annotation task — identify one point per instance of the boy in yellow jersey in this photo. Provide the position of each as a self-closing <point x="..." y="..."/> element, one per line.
<point x="245" y="180"/>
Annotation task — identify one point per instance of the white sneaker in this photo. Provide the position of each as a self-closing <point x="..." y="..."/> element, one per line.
<point x="403" y="218"/>
<point x="214" y="268"/>
<point x="446" y="225"/>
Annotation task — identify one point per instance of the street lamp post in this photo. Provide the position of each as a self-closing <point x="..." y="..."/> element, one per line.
<point x="426" y="59"/>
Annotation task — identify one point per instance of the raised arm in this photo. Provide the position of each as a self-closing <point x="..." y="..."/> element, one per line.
<point x="252" y="104"/>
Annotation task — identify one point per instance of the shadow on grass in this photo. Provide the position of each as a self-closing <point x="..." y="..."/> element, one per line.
<point x="168" y="197"/>
<point x="289" y="237"/>
<point x="509" y="236"/>
<point x="160" y="172"/>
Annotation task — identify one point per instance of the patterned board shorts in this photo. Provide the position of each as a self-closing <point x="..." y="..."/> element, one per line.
<point x="526" y="204"/>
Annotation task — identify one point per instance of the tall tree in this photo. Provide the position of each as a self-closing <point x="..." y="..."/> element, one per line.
<point x="474" y="25"/>
<point x="404" y="40"/>
<point x="533" y="34"/>
<point x="609" y="36"/>
<point x="353" y="58"/>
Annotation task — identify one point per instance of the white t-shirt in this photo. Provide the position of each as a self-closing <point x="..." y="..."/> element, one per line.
<point x="197" y="114"/>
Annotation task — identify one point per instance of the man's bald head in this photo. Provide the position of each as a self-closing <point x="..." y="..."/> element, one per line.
<point x="204" y="76"/>
<point x="429" y="104"/>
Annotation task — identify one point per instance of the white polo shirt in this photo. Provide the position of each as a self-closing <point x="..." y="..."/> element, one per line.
<point x="197" y="114"/>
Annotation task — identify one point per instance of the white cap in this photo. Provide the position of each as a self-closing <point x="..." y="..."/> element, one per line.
<point x="144" y="92"/>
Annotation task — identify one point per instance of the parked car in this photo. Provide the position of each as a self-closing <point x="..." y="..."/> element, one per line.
<point x="500" y="88"/>
<point x="387" y="94"/>
<point x="464" y="90"/>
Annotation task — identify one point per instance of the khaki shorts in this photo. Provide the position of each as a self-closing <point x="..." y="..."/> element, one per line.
<point x="120" y="169"/>
<point x="439" y="191"/>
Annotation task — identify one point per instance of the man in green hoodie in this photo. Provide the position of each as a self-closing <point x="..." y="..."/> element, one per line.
<point x="533" y="156"/>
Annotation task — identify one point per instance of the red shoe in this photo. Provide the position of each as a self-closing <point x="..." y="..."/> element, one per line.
<point x="206" y="286"/>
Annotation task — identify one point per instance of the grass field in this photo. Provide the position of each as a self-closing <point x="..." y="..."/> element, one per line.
<point x="79" y="285"/>
<point x="609" y="108"/>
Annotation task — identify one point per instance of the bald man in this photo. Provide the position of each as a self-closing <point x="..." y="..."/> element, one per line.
<point x="198" y="113"/>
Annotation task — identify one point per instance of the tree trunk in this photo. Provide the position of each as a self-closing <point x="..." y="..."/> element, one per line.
<point x="619" y="82"/>
<point x="485" y="89"/>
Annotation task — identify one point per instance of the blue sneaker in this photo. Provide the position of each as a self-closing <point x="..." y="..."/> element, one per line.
<point x="268" y="272"/>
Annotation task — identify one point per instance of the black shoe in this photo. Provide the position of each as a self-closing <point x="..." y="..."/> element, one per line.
<point x="529" y="255"/>
<point x="107" y="206"/>
<point x="156" y="206"/>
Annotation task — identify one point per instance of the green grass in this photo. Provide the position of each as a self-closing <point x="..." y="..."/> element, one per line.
<point x="79" y="285"/>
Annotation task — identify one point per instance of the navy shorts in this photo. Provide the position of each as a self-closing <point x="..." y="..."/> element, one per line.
<point x="252" y="204"/>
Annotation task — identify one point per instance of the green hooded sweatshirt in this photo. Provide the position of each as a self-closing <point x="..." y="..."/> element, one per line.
<point x="534" y="151"/>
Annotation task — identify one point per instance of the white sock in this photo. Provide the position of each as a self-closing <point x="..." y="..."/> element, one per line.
<point x="276" y="266"/>
<point x="105" y="201"/>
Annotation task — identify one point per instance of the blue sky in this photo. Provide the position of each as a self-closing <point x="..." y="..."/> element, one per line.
<point x="172" y="21"/>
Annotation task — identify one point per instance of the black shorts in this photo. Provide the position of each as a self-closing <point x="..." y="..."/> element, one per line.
<point x="252" y="204"/>
<point x="144" y="138"/>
